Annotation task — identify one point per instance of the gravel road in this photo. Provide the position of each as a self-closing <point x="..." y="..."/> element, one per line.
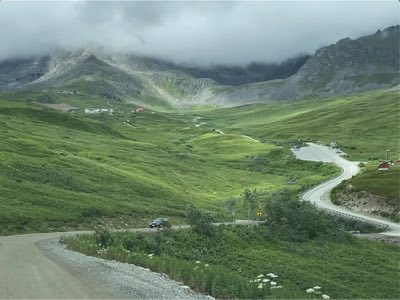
<point x="320" y="194"/>
<point x="36" y="266"/>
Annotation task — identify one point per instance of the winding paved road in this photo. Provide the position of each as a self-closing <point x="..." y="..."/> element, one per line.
<point x="34" y="266"/>
<point x="320" y="194"/>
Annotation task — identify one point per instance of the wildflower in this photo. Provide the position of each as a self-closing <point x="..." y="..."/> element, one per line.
<point x="195" y="268"/>
<point x="206" y="265"/>
<point x="310" y="290"/>
<point x="251" y="280"/>
<point x="265" y="280"/>
<point x="150" y="255"/>
<point x="326" y="297"/>
<point x="197" y="261"/>
<point x="274" y="276"/>
<point x="259" y="276"/>
<point x="260" y="286"/>
<point x="273" y="283"/>
<point x="278" y="286"/>
<point x="317" y="287"/>
<point x="258" y="280"/>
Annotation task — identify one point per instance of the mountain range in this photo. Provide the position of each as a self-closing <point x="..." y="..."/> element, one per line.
<point x="346" y="67"/>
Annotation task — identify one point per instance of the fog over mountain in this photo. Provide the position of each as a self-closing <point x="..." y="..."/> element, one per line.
<point x="189" y="32"/>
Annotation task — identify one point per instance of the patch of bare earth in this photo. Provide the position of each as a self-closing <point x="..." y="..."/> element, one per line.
<point x="366" y="203"/>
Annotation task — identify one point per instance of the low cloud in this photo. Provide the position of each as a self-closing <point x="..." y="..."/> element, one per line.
<point x="189" y="32"/>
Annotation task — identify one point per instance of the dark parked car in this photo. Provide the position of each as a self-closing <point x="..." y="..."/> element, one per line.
<point x="160" y="222"/>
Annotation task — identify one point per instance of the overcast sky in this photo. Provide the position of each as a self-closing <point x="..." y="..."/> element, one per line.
<point x="191" y="32"/>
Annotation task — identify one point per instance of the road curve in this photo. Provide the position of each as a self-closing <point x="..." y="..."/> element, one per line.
<point x="320" y="195"/>
<point x="35" y="266"/>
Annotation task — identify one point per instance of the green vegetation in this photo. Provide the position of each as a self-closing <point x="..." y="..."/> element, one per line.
<point x="60" y="171"/>
<point x="384" y="183"/>
<point x="364" y="125"/>
<point x="231" y="261"/>
<point x="380" y="183"/>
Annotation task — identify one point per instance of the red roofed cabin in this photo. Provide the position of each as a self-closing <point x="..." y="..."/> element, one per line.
<point x="384" y="166"/>
<point x="139" y="109"/>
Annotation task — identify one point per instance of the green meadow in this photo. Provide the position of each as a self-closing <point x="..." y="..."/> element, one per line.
<point x="234" y="262"/>
<point x="365" y="126"/>
<point x="60" y="171"/>
<point x="63" y="170"/>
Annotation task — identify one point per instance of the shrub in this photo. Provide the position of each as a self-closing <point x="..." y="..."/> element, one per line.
<point x="200" y="221"/>
<point x="289" y="218"/>
<point x="103" y="237"/>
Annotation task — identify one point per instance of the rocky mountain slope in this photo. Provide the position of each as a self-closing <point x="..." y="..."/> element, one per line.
<point x="347" y="67"/>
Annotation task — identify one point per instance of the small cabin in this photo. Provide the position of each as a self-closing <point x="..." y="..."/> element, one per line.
<point x="384" y="166"/>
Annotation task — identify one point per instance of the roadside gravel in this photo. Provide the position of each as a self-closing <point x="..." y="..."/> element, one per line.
<point x="121" y="280"/>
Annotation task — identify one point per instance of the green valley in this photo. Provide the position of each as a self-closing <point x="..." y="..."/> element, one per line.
<point x="61" y="171"/>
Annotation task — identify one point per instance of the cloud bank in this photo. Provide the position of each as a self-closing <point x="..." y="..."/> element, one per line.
<point x="189" y="32"/>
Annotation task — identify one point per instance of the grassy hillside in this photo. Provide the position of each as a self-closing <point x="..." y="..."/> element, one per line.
<point x="232" y="263"/>
<point x="385" y="183"/>
<point x="364" y="125"/>
<point x="61" y="170"/>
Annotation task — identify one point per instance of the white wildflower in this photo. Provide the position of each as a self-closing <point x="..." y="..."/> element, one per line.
<point x="150" y="255"/>
<point x="273" y="283"/>
<point x="274" y="276"/>
<point x="197" y="261"/>
<point x="206" y="265"/>
<point x="278" y="286"/>
<point x="259" y="276"/>
<point x="326" y="297"/>
<point x="310" y="290"/>
<point x="265" y="280"/>
<point x="260" y="286"/>
<point x="258" y="280"/>
<point x="317" y="287"/>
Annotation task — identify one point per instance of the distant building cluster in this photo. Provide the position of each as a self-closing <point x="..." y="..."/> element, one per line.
<point x="98" y="110"/>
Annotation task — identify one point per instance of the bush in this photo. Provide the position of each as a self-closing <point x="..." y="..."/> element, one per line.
<point x="291" y="219"/>
<point x="200" y="221"/>
<point x="103" y="237"/>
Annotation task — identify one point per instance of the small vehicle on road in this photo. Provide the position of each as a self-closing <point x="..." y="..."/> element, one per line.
<point x="159" y="223"/>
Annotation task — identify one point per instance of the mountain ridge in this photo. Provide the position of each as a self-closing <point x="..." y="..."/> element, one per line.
<point x="346" y="67"/>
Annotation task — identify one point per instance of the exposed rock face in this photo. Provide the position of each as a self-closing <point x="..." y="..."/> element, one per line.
<point x="18" y="72"/>
<point x="347" y="67"/>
